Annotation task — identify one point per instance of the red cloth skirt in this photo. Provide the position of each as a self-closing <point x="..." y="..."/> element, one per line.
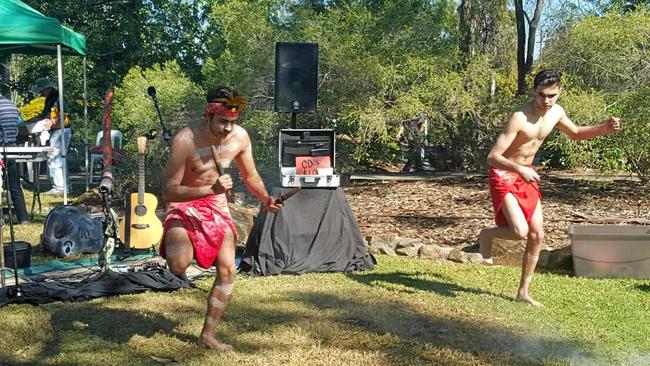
<point x="205" y="220"/>
<point x="503" y="182"/>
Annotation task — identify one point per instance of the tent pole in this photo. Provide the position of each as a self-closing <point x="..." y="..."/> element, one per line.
<point x="59" y="70"/>
<point x="86" y="126"/>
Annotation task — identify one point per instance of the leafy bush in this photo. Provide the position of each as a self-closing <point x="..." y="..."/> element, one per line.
<point x="606" y="60"/>
<point x="181" y="103"/>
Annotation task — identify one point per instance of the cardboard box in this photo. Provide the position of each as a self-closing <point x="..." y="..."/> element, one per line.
<point x="611" y="251"/>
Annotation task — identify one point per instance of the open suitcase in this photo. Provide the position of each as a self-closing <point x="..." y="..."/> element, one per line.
<point x="307" y="158"/>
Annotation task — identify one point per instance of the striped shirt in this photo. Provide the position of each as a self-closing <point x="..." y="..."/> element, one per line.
<point x="8" y="121"/>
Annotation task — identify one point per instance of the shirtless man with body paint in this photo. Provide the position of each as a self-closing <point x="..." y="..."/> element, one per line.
<point x="198" y="225"/>
<point x="513" y="181"/>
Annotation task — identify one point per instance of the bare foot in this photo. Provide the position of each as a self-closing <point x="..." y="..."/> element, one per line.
<point x="487" y="262"/>
<point x="212" y="343"/>
<point x="527" y="299"/>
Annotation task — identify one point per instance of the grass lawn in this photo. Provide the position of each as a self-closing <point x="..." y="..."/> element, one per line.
<point x="404" y="312"/>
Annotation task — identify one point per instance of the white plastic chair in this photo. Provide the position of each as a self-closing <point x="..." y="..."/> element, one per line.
<point x="116" y="142"/>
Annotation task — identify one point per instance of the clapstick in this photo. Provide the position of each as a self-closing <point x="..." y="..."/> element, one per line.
<point x="288" y="194"/>
<point x="215" y="157"/>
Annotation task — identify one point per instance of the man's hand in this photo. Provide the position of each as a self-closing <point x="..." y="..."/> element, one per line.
<point x="612" y="124"/>
<point x="528" y="174"/>
<point x="48" y="124"/>
<point x="273" y="205"/>
<point x="222" y="185"/>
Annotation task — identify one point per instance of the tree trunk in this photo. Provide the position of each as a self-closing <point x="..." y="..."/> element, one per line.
<point x="532" y="33"/>
<point x="526" y="42"/>
<point x="520" y="17"/>
<point x="465" y="27"/>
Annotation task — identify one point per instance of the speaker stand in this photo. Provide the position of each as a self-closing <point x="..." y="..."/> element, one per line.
<point x="293" y="120"/>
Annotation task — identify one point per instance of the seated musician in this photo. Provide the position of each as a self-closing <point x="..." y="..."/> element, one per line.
<point x="8" y="133"/>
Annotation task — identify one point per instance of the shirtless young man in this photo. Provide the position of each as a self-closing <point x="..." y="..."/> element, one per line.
<point x="513" y="181"/>
<point x="198" y="223"/>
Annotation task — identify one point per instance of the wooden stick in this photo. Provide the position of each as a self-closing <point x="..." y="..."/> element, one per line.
<point x="215" y="158"/>
<point x="290" y="193"/>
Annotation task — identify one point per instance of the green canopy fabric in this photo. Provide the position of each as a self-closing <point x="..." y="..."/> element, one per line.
<point x="26" y="31"/>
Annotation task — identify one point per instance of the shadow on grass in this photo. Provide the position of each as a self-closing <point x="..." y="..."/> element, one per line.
<point x="645" y="288"/>
<point x="99" y="329"/>
<point x="399" y="333"/>
<point x="427" y="339"/>
<point x="413" y="283"/>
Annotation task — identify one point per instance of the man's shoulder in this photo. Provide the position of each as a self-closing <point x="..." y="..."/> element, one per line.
<point x="558" y="110"/>
<point x="184" y="136"/>
<point x="240" y="130"/>
<point x="519" y="116"/>
<point x="7" y="106"/>
<point x="185" y="131"/>
<point x="240" y="133"/>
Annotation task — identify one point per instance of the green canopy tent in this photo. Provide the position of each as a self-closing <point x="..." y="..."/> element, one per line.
<point x="24" y="30"/>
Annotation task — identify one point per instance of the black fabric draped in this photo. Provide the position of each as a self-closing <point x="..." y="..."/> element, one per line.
<point x="314" y="232"/>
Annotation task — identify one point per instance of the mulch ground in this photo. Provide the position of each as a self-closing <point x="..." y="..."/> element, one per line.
<point x="452" y="211"/>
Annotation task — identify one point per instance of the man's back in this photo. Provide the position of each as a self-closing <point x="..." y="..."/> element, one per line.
<point x="8" y="121"/>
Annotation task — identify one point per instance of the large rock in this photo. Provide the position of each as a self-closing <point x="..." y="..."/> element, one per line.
<point x="389" y="239"/>
<point x="382" y="244"/>
<point x="502" y="247"/>
<point x="407" y="247"/>
<point x="382" y="248"/>
<point x="508" y="252"/>
<point x="557" y="259"/>
<point x="458" y="255"/>
<point x="430" y="251"/>
<point x="243" y="218"/>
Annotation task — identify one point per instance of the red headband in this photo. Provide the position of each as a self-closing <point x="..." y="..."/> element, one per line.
<point x="228" y="105"/>
<point x="221" y="109"/>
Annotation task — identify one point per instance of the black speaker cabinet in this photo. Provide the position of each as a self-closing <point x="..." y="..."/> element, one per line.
<point x="296" y="77"/>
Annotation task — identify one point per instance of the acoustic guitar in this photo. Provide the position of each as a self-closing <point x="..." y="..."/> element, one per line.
<point x="141" y="228"/>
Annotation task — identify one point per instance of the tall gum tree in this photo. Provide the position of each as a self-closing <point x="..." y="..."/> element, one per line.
<point x="526" y="33"/>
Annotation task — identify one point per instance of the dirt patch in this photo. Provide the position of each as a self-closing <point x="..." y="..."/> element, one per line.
<point x="452" y="211"/>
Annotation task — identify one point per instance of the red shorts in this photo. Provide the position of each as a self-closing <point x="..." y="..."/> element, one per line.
<point x="205" y="220"/>
<point x="503" y="182"/>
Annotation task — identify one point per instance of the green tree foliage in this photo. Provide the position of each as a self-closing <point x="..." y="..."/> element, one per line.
<point x="608" y="53"/>
<point x="181" y="100"/>
<point x="122" y="34"/>
<point x="381" y="62"/>
<point x="375" y="59"/>
<point x="606" y="59"/>
<point x="485" y="27"/>
<point x="181" y="103"/>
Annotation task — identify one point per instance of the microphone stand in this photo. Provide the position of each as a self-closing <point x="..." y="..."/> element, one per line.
<point x="167" y="136"/>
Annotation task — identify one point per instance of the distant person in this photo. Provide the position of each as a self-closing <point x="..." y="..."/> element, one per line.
<point x="516" y="197"/>
<point x="198" y="223"/>
<point x="8" y="132"/>
<point x="411" y="137"/>
<point x="50" y="113"/>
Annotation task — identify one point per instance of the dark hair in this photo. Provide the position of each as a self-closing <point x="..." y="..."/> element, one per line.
<point x="220" y="92"/>
<point x="547" y="78"/>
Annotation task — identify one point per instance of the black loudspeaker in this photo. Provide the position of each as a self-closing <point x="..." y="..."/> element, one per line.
<point x="296" y="77"/>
